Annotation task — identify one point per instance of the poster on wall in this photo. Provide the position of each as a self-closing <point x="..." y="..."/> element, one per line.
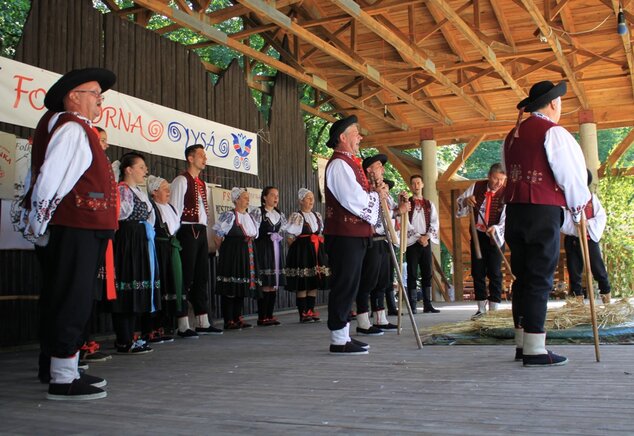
<point x="7" y="165"/>
<point x="131" y="122"/>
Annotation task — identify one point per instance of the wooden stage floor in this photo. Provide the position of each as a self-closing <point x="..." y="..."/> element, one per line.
<point x="281" y="380"/>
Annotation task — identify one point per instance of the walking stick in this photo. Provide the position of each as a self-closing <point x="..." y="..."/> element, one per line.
<point x="403" y="249"/>
<point x="386" y="219"/>
<point x="506" y="262"/>
<point x="474" y="234"/>
<point x="583" y="239"/>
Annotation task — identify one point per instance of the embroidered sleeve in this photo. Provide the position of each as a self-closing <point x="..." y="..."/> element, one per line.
<point x="569" y="168"/>
<point x="68" y="156"/>
<point x="224" y="223"/>
<point x="320" y="222"/>
<point x="349" y="193"/>
<point x="126" y="201"/>
<point x="294" y="224"/>
<point x="463" y="208"/>
<point x="433" y="225"/>
<point x="596" y="225"/>
<point x="283" y="223"/>
<point x="499" y="228"/>
<point x="256" y="214"/>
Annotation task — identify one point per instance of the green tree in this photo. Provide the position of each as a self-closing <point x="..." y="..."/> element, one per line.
<point x="13" y="14"/>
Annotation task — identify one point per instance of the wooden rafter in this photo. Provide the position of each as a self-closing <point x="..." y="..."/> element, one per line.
<point x="503" y="22"/>
<point x="627" y="46"/>
<point x="485" y="50"/>
<point x="198" y="25"/>
<point x="405" y="48"/>
<point x="459" y="161"/>
<point x="263" y="9"/>
<point x="555" y="45"/>
<point x="617" y="153"/>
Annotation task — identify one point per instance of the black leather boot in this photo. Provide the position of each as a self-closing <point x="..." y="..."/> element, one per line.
<point x="412" y="300"/>
<point x="427" y="307"/>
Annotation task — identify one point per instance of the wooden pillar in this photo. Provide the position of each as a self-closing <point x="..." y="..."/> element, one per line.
<point x="430" y="192"/>
<point x="589" y="144"/>
<point x="458" y="276"/>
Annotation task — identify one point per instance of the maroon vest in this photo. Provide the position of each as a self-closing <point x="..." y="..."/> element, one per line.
<point x="92" y="203"/>
<point x="497" y="202"/>
<point x="589" y="209"/>
<point x="426" y="212"/>
<point x="195" y="188"/>
<point x="530" y="178"/>
<point x="339" y="220"/>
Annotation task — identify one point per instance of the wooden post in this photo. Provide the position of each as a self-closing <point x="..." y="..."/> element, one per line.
<point x="458" y="276"/>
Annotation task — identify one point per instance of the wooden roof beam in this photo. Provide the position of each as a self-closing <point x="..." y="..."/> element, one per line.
<point x="459" y="161"/>
<point x="485" y="50"/>
<point x="617" y="153"/>
<point x="413" y="53"/>
<point x="553" y="42"/>
<point x="199" y="26"/>
<point x="502" y="21"/>
<point x="600" y="57"/>
<point x="262" y="8"/>
<point x="557" y="9"/>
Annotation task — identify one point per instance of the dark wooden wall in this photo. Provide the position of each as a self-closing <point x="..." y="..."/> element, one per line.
<point x="64" y="34"/>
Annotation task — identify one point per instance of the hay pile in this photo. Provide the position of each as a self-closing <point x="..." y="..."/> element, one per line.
<point x="572" y="314"/>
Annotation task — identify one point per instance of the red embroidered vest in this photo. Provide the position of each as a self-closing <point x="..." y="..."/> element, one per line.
<point x="530" y="178"/>
<point x="92" y="203"/>
<point x="339" y="220"/>
<point x="497" y="202"/>
<point x="426" y="211"/>
<point x="195" y="188"/>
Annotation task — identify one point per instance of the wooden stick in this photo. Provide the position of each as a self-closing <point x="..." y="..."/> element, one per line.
<point x="403" y="249"/>
<point x="583" y="239"/>
<point x="474" y="234"/>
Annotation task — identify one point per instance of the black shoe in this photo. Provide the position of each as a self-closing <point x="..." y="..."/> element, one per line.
<point x="75" y="391"/>
<point x="477" y="315"/>
<point x="386" y="328"/>
<point x="549" y="359"/>
<point x="519" y="354"/>
<point x="372" y="331"/>
<point x="91" y="380"/>
<point x="392" y="312"/>
<point x="232" y="325"/>
<point x="360" y="344"/>
<point x="83" y="365"/>
<point x="153" y="338"/>
<point x="430" y="309"/>
<point x="211" y="330"/>
<point x="187" y="334"/>
<point x="136" y="348"/>
<point x="348" y="349"/>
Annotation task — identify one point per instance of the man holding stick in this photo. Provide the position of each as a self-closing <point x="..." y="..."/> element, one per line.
<point x="546" y="171"/>
<point x="486" y="199"/>
<point x="351" y="211"/>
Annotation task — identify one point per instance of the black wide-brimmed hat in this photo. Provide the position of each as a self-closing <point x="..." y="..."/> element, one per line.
<point x="338" y="127"/>
<point x="54" y="99"/>
<point x="370" y="160"/>
<point x="389" y="183"/>
<point x="540" y="94"/>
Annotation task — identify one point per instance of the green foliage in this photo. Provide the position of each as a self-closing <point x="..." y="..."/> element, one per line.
<point x="617" y="196"/>
<point x="13" y="14"/>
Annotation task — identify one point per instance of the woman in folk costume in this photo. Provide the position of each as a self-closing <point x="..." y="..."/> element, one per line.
<point x="137" y="279"/>
<point x="237" y="272"/>
<point x="269" y="251"/>
<point x="170" y="271"/>
<point x="306" y="263"/>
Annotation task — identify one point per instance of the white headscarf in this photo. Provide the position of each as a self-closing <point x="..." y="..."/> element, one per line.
<point x="236" y="193"/>
<point x="302" y="193"/>
<point x="154" y="183"/>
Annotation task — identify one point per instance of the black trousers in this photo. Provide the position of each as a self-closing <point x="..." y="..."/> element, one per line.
<point x="69" y="263"/>
<point x="345" y="257"/>
<point x="574" y="262"/>
<point x="532" y="233"/>
<point x="489" y="266"/>
<point x="374" y="275"/>
<point x="194" y="257"/>
<point x="418" y="256"/>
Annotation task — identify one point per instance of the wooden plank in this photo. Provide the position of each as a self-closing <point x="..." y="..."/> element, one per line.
<point x="617" y="153"/>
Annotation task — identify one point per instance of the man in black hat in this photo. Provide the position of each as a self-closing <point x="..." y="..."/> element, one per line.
<point x="70" y="213"/>
<point x="352" y="208"/>
<point x="375" y="272"/>
<point x="546" y="172"/>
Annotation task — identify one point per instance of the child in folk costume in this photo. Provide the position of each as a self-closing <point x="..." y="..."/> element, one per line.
<point x="137" y="280"/>
<point x="306" y="263"/>
<point x="170" y="269"/>
<point x="269" y="252"/>
<point x="237" y="273"/>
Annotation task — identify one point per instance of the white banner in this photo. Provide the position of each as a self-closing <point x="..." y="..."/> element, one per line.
<point x="131" y="122"/>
